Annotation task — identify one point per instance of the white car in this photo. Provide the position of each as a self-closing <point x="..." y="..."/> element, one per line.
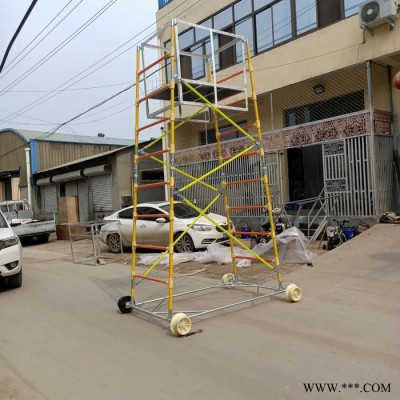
<point x="10" y="254"/>
<point x="155" y="231"/>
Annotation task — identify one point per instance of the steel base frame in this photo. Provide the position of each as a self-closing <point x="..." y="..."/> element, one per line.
<point x="198" y="313"/>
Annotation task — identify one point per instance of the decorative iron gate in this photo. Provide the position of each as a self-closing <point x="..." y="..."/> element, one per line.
<point x="237" y="170"/>
<point x="348" y="178"/>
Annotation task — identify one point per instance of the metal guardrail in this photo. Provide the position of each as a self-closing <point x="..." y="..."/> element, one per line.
<point x="93" y="252"/>
<point x="316" y="217"/>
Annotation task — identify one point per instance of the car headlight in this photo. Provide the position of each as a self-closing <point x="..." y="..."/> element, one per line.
<point x="12" y="241"/>
<point x="200" y="227"/>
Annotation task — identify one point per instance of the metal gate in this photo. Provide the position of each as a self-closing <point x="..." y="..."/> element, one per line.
<point x="49" y="198"/>
<point x="348" y="178"/>
<point x="385" y="195"/>
<point x="237" y="170"/>
<point x="101" y="188"/>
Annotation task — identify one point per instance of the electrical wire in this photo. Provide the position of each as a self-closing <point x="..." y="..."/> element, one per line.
<point x="10" y="67"/>
<point x="20" y="26"/>
<point x="38" y="102"/>
<point x="70" y="90"/>
<point x="59" y="47"/>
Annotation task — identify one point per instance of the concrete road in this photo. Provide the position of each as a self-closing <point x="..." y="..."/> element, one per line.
<point x="62" y="337"/>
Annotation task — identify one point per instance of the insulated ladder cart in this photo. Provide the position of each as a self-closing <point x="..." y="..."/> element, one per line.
<point x="187" y="97"/>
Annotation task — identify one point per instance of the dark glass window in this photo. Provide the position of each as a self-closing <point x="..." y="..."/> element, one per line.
<point x="197" y="62"/>
<point x="282" y="21"/>
<point x="335" y="107"/>
<point x="306" y="15"/>
<point x="208" y="49"/>
<point x="244" y="28"/>
<point x="261" y="3"/>
<point x="126" y="214"/>
<point x="264" y="30"/>
<point x="329" y="12"/>
<point x="223" y="19"/>
<point x="226" y="57"/>
<point x="351" y="7"/>
<point x="147" y="211"/>
<point x="186" y="39"/>
<point x="202" y="33"/>
<point x="153" y="175"/>
<point x="242" y="9"/>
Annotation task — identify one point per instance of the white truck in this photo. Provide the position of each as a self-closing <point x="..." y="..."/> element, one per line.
<point x="26" y="224"/>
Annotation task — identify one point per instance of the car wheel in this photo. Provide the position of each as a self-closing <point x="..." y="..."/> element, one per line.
<point x="15" y="281"/>
<point x="42" y="239"/>
<point x="114" y="243"/>
<point x="184" y="245"/>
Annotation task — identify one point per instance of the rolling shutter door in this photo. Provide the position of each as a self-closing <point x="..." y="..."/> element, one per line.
<point x="102" y="193"/>
<point x="49" y="198"/>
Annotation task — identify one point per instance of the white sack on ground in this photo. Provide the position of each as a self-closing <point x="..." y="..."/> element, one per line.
<point x="150" y="259"/>
<point x="221" y="254"/>
<point x="292" y="248"/>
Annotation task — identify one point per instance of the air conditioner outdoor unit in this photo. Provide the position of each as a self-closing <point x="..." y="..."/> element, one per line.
<point x="377" y="12"/>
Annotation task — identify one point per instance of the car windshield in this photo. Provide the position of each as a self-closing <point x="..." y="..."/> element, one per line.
<point x="181" y="210"/>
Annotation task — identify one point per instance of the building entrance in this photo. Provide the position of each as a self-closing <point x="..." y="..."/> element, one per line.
<point x="305" y="171"/>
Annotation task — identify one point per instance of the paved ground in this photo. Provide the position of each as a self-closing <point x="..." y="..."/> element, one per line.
<point x="83" y="250"/>
<point x="63" y="338"/>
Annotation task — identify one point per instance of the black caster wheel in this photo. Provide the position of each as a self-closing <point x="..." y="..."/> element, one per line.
<point x="123" y="307"/>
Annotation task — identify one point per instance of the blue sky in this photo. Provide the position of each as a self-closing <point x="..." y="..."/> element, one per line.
<point x="122" y="21"/>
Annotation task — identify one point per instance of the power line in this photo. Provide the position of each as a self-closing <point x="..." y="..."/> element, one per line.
<point x="22" y="23"/>
<point x="70" y="90"/>
<point x="10" y="67"/>
<point x="59" y="47"/>
<point x="46" y="135"/>
<point x="37" y="102"/>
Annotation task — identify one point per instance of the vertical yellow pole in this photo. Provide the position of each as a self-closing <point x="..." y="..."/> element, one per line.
<point x="172" y="177"/>
<point x="135" y="175"/>
<point x="223" y="183"/>
<point x="262" y="157"/>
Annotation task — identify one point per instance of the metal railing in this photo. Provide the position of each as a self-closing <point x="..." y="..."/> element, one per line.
<point x="314" y="219"/>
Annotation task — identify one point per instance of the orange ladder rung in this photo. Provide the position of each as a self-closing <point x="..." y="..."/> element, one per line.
<point x="230" y="76"/>
<point x="264" y="233"/>
<point x="255" y="258"/>
<point x="246" y="207"/>
<point x="243" y="182"/>
<point x="154" y="63"/>
<point x="148" y="216"/>
<point x="150" y="247"/>
<point x="152" y="124"/>
<point x="149" y="278"/>
<point x="155" y="153"/>
<point x="154" y="93"/>
<point x="238" y="101"/>
<point x="151" y="185"/>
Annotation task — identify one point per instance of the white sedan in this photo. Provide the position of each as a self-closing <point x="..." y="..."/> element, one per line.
<point x="155" y="231"/>
<point x="10" y="254"/>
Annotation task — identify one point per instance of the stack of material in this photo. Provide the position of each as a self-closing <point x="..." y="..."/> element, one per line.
<point x="390" y="218"/>
<point x="68" y="214"/>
